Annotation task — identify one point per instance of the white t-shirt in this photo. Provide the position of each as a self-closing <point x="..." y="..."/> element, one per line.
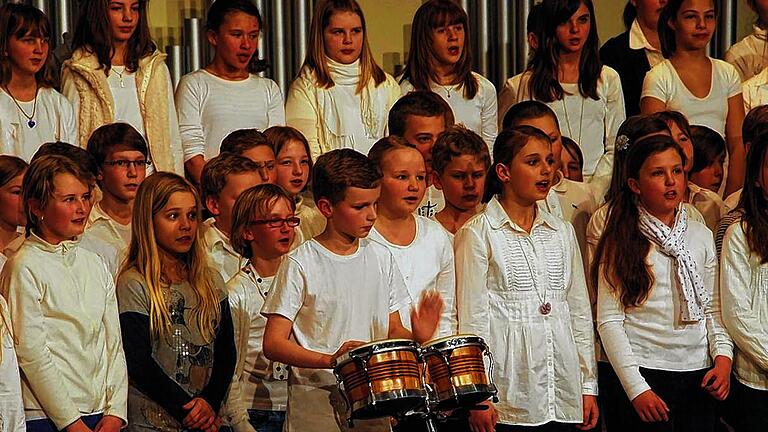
<point x="332" y="299"/>
<point x="427" y="264"/>
<point x="593" y="124"/>
<point x="477" y="114"/>
<point x="210" y="108"/>
<point x="11" y="405"/>
<point x="54" y="121"/>
<point x="432" y="203"/>
<point x="663" y="83"/>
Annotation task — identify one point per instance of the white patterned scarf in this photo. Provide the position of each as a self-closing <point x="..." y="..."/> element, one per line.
<point x="694" y="297"/>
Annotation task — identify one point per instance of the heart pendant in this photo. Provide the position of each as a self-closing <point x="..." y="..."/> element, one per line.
<point x="31" y="124"/>
<point x="545" y="308"/>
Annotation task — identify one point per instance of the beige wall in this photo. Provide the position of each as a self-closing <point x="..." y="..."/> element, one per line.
<point x="389" y="29"/>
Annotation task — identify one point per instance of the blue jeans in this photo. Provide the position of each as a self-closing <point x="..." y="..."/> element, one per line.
<point x="266" y="421"/>
<point x="46" y="425"/>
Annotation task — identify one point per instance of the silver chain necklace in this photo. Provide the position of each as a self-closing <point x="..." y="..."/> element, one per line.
<point x="30" y="122"/>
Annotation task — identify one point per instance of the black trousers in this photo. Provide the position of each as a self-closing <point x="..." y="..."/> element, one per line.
<point x="749" y="408"/>
<point x="549" y="427"/>
<point x="691" y="408"/>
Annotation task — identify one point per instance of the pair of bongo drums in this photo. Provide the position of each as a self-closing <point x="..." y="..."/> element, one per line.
<point x="395" y="376"/>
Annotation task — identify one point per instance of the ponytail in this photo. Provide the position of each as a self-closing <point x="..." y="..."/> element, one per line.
<point x="508" y="144"/>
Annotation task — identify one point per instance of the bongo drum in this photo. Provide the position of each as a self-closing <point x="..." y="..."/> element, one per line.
<point x="456" y="371"/>
<point x="381" y="378"/>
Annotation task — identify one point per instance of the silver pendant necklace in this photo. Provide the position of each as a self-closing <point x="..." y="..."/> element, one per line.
<point x="545" y="307"/>
<point x="119" y="75"/>
<point x="30" y="122"/>
<point x="568" y="120"/>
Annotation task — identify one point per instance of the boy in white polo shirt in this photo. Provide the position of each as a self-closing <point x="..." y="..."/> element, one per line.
<point x="224" y="178"/>
<point x="336" y="292"/>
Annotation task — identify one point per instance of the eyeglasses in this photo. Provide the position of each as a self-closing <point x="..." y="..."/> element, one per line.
<point x="124" y="163"/>
<point x="292" y="222"/>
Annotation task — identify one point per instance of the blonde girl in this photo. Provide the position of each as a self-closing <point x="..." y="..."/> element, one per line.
<point x="293" y="170"/>
<point x="116" y="74"/>
<point x="31" y="111"/>
<point x="63" y="309"/>
<point x="341" y="97"/>
<point x="174" y="315"/>
<point x="440" y="60"/>
<point x="263" y="225"/>
<point x="520" y="285"/>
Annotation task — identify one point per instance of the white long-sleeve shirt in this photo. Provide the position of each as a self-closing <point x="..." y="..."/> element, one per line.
<point x="543" y="364"/>
<point x="54" y="121"/>
<point x="210" y="108"/>
<point x="744" y="291"/>
<point x="64" y="310"/>
<point x="427" y="264"/>
<point x="11" y="405"/>
<point x="478" y="114"/>
<point x="221" y="255"/>
<point x="652" y="335"/>
<point x="593" y="124"/>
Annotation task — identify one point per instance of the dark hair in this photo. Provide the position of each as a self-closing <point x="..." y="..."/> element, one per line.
<point x="336" y="171"/>
<point x="422" y="103"/>
<point x="629" y="15"/>
<point x="112" y="137"/>
<point x="535" y="21"/>
<point x="634" y="128"/>
<point x="527" y="110"/>
<point x="82" y="158"/>
<point x="419" y="68"/>
<point x="755" y="123"/>
<point x="573" y="150"/>
<point x="676" y="117"/>
<point x="94" y="35"/>
<point x="507" y="145"/>
<point x="666" y="33"/>
<point x="280" y="136"/>
<point x="242" y="140"/>
<point x="543" y="65"/>
<point x="10" y="168"/>
<point x="758" y="21"/>
<point x="18" y="20"/>
<point x="753" y="203"/>
<point x="708" y="145"/>
<point x="458" y="141"/>
<point x="217" y="14"/>
<point x="216" y="172"/>
<point x="622" y="249"/>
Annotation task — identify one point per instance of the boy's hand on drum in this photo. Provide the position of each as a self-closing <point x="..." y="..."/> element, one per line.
<point x="343" y="349"/>
<point x="426" y="317"/>
<point x="650" y="407"/>
<point x="591" y="413"/>
<point x="717" y="381"/>
<point x="483" y="420"/>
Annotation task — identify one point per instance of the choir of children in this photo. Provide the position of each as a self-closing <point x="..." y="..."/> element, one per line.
<point x="372" y="216"/>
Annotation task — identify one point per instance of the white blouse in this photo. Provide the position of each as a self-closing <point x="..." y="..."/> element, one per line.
<point x="543" y="364"/>
<point x="749" y="56"/>
<point x="11" y="405"/>
<point x="426" y="264"/>
<point x="664" y="84"/>
<point x="54" y="121"/>
<point x="478" y="114"/>
<point x="593" y="124"/>
<point x="210" y="107"/>
<point x="63" y="307"/>
<point x="744" y="291"/>
<point x="755" y="91"/>
<point x="653" y="335"/>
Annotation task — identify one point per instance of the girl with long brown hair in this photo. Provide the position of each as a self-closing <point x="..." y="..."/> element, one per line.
<point x="341" y="97"/>
<point x="174" y="314"/>
<point x="440" y="60"/>
<point x="565" y="72"/>
<point x="31" y="111"/>
<point x="117" y="74"/>
<point x="657" y="303"/>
